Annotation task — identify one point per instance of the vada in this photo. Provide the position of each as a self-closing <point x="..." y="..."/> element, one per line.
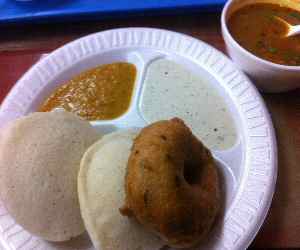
<point x="172" y="184"/>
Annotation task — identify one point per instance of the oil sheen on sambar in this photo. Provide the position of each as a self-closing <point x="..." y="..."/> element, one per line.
<point x="100" y="93"/>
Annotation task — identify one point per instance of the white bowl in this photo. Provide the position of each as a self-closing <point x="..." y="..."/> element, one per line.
<point x="268" y="76"/>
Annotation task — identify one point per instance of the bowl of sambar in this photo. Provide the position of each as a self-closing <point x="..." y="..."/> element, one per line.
<point x="256" y="41"/>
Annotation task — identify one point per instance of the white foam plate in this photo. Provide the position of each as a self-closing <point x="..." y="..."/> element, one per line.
<point x="248" y="169"/>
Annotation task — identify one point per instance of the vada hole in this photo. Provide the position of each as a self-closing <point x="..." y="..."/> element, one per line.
<point x="163" y="137"/>
<point x="191" y="172"/>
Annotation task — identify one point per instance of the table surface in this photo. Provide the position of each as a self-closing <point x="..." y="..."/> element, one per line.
<point x="21" y="46"/>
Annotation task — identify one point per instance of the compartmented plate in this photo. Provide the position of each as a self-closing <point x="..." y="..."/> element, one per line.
<point x="247" y="159"/>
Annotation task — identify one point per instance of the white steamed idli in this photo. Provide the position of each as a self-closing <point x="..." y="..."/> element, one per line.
<point x="39" y="162"/>
<point x="101" y="194"/>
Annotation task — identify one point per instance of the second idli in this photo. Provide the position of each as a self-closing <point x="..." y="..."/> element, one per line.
<point x="101" y="194"/>
<point x="39" y="162"/>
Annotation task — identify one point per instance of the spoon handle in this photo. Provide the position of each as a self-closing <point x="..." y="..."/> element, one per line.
<point x="295" y="30"/>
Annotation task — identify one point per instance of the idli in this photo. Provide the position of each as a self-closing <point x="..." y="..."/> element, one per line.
<point x="39" y="162"/>
<point x="101" y="194"/>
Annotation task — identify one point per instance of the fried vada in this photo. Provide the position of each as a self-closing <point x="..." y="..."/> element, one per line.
<point x="172" y="184"/>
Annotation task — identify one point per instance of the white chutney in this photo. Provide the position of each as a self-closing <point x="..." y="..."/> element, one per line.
<point x="170" y="90"/>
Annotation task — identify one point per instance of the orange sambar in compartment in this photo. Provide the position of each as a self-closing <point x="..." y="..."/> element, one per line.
<point x="101" y="93"/>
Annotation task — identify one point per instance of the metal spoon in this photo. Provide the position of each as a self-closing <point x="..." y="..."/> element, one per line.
<point x="292" y="30"/>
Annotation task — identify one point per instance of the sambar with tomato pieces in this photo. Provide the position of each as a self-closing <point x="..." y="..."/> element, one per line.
<point x="256" y="28"/>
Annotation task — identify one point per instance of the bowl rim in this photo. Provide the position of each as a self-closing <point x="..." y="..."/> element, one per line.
<point x="227" y="33"/>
